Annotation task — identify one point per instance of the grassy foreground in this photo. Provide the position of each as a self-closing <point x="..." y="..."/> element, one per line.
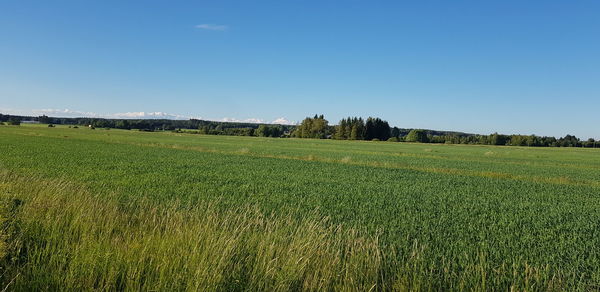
<point x="121" y="210"/>
<point x="66" y="238"/>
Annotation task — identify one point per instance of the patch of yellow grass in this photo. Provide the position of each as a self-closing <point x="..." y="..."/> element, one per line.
<point x="243" y="151"/>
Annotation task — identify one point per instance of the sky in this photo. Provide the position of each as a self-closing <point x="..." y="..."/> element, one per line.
<point x="513" y="67"/>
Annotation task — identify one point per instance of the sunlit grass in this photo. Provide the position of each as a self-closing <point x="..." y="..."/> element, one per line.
<point x="58" y="236"/>
<point x="125" y="210"/>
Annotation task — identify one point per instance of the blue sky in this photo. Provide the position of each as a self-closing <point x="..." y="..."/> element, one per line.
<point x="529" y="67"/>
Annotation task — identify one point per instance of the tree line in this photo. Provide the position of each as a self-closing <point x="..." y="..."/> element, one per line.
<point x="191" y="125"/>
<point x="356" y="128"/>
<point x="317" y="127"/>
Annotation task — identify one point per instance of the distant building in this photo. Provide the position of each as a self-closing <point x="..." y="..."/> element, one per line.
<point x="30" y="122"/>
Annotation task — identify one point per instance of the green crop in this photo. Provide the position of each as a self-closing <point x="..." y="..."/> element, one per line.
<point x="128" y="210"/>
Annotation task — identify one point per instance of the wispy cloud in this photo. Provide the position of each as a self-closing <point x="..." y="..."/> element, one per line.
<point x="208" y="26"/>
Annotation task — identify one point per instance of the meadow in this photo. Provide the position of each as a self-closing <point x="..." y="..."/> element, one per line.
<point x="114" y="209"/>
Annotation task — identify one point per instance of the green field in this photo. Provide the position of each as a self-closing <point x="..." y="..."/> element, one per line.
<point x="130" y="210"/>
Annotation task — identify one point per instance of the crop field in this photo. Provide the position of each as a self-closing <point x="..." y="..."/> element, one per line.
<point x="114" y="209"/>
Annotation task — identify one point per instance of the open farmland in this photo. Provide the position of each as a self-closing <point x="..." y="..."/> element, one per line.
<point x="117" y="209"/>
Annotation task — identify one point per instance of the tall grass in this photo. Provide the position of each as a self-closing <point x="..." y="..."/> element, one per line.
<point x="56" y="235"/>
<point x="59" y="236"/>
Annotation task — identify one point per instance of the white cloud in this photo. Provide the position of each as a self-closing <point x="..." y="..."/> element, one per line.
<point x="64" y="113"/>
<point x="283" y="121"/>
<point x="254" y="120"/>
<point x="208" y="26"/>
<point x="67" y="113"/>
<point x="250" y="120"/>
<point x="278" y="121"/>
<point x="148" y="115"/>
<point x="10" y="111"/>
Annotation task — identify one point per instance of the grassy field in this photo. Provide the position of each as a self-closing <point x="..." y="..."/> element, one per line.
<point x="129" y="210"/>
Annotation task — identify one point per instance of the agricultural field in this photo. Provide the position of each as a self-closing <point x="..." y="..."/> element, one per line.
<point x="114" y="209"/>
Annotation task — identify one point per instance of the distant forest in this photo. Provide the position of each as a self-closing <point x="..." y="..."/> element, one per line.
<point x="317" y="127"/>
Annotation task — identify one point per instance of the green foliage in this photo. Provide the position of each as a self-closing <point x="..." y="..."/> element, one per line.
<point x="341" y="130"/>
<point x="395" y="132"/>
<point x="44" y="119"/>
<point x="417" y="136"/>
<point x="13" y="122"/>
<point x="269" y="131"/>
<point x="316" y="127"/>
<point x="356" y="129"/>
<point x="123" y="124"/>
<point x="375" y="128"/>
<point x="590" y="143"/>
<point x="568" y="141"/>
<point x="350" y="129"/>
<point x="497" y="139"/>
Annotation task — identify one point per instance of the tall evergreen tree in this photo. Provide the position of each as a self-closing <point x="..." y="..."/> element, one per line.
<point x="395" y="132"/>
<point x="340" y="130"/>
<point x="370" y="129"/>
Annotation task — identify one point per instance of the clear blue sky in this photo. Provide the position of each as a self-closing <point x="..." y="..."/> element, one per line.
<point x="529" y="67"/>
